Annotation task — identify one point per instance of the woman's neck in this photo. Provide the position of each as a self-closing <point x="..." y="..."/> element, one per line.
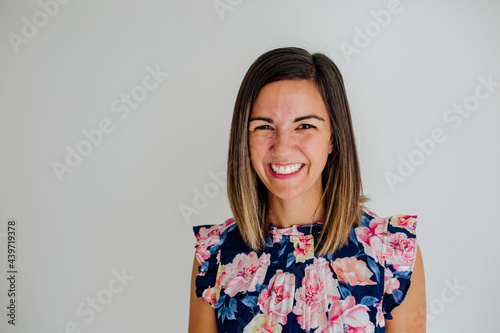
<point x="284" y="213"/>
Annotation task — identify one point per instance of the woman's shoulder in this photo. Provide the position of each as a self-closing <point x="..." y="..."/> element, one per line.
<point x="213" y="233"/>
<point x="209" y="239"/>
<point x="390" y="241"/>
<point x="393" y="223"/>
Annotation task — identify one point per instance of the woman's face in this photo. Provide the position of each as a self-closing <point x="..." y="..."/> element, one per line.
<point x="291" y="116"/>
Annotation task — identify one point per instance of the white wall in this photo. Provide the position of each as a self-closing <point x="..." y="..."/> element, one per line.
<point x="119" y="207"/>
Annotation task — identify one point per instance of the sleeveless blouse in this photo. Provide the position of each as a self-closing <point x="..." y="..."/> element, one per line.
<point x="287" y="287"/>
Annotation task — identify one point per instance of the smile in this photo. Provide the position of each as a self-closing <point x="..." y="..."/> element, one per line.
<point x="286" y="170"/>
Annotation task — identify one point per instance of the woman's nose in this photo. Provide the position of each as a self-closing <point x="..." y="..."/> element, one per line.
<point x="282" y="143"/>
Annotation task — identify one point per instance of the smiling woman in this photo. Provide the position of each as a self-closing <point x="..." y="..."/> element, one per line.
<point x="302" y="252"/>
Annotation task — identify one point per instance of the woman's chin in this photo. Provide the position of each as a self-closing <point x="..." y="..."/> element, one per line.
<point x="286" y="194"/>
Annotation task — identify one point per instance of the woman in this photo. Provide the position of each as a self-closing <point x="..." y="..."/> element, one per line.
<point x="302" y="252"/>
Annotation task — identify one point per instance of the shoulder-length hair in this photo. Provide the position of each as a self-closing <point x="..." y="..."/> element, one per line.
<point x="343" y="196"/>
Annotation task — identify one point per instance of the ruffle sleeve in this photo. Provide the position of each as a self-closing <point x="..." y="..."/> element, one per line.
<point x="209" y="239"/>
<point x="400" y="252"/>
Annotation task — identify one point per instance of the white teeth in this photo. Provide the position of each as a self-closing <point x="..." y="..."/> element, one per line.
<point x="285" y="171"/>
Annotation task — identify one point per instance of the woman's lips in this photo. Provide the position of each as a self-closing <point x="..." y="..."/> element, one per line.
<point x="284" y="176"/>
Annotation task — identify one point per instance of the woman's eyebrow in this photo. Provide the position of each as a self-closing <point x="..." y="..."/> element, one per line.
<point x="269" y="120"/>
<point x="308" y="117"/>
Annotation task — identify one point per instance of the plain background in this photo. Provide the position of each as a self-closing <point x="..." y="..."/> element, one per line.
<point x="120" y="207"/>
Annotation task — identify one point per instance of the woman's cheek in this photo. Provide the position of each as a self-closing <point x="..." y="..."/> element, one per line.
<point x="306" y="141"/>
<point x="260" y="141"/>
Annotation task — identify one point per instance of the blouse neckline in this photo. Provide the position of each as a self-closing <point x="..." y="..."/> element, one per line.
<point x="296" y="229"/>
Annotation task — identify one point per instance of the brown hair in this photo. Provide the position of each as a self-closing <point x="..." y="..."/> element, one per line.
<point x="341" y="178"/>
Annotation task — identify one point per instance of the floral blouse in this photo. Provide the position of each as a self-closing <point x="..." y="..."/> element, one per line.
<point x="286" y="287"/>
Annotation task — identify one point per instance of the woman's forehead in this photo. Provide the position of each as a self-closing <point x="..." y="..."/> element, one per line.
<point x="289" y="99"/>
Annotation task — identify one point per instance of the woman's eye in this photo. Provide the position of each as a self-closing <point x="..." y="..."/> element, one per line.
<point x="307" y="126"/>
<point x="261" y="127"/>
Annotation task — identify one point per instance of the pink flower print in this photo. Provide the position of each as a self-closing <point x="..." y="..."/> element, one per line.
<point x="408" y="222"/>
<point x="278" y="233"/>
<point x="346" y="316"/>
<point x="380" y="319"/>
<point x="202" y="254"/>
<point x="206" y="238"/>
<point x="390" y="282"/>
<point x="209" y="295"/>
<point x="372" y="238"/>
<point x="227" y="223"/>
<point x="401" y="250"/>
<point x="366" y="210"/>
<point x="277" y="237"/>
<point x="316" y="295"/>
<point x="244" y="273"/>
<point x="289" y="231"/>
<point x="262" y="324"/>
<point x="352" y="271"/>
<point x="277" y="300"/>
<point x="303" y="247"/>
<point x="378" y="225"/>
